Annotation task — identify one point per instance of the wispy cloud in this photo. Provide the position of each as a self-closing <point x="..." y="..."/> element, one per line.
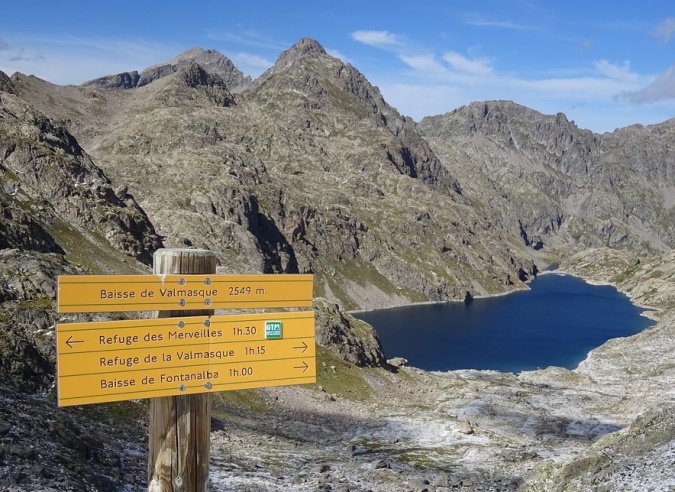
<point x="247" y="37"/>
<point x="336" y="54"/>
<point x="249" y="63"/>
<point x="477" y="20"/>
<point x="51" y="58"/>
<point x="665" y="30"/>
<point x="618" y="72"/>
<point x="661" y="89"/>
<point x="378" y="39"/>
<point x="426" y="65"/>
<point x="463" y="64"/>
<point x="24" y="56"/>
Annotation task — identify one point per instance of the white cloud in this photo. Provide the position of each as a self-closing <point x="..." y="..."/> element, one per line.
<point x="378" y="39"/>
<point x="337" y="54"/>
<point x="665" y="30"/>
<point x="480" y="21"/>
<point x="426" y="65"/>
<point x="617" y="72"/>
<point x="248" y="37"/>
<point x="250" y="64"/>
<point x="463" y="64"/>
<point x="418" y="101"/>
<point x="662" y="88"/>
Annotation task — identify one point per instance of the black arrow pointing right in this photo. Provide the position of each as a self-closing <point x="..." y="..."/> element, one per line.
<point x="304" y="347"/>
<point x="304" y="367"/>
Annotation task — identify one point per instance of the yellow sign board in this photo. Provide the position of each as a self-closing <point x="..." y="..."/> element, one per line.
<point x="121" y="360"/>
<point x="107" y="293"/>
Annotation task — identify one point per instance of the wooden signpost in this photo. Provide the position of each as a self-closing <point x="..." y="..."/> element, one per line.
<point x="105" y="293"/>
<point x="121" y="360"/>
<point x="184" y="354"/>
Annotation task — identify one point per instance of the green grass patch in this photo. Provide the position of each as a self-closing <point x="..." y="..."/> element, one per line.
<point x="245" y="399"/>
<point x="341" y="378"/>
<point x="125" y="412"/>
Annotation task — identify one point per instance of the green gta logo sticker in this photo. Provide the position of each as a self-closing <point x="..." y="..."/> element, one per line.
<point x="273" y="329"/>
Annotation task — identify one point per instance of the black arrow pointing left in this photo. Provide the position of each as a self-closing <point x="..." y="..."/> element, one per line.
<point x="70" y="341"/>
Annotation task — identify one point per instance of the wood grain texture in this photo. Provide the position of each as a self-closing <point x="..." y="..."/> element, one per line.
<point x="180" y="426"/>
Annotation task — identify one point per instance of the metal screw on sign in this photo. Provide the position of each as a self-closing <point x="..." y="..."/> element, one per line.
<point x="181" y="303"/>
<point x="181" y="324"/>
<point x="181" y="281"/>
<point x="207" y="302"/>
<point x="207" y="322"/>
<point x="207" y="281"/>
<point x="178" y="481"/>
<point x="181" y="387"/>
<point x="208" y="385"/>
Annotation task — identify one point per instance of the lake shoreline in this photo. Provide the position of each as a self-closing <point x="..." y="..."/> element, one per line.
<point x="559" y="322"/>
<point x="649" y="312"/>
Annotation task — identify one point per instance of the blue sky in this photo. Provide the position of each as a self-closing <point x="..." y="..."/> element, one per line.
<point x="604" y="64"/>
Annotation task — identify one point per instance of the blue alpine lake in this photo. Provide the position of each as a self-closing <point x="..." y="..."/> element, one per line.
<point x="556" y="323"/>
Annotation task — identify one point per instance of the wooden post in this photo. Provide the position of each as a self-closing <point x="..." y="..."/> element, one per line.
<point x="180" y="426"/>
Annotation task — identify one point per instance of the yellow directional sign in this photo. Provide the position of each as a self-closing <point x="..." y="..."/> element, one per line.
<point x="103" y="293"/>
<point x="121" y="360"/>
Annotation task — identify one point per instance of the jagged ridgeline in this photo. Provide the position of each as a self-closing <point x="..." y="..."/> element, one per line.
<point x="563" y="188"/>
<point x="306" y="169"/>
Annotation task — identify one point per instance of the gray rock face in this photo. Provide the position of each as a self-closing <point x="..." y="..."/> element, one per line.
<point x="354" y="340"/>
<point x="44" y="167"/>
<point x="214" y="62"/>
<point x="18" y="230"/>
<point x="557" y="185"/>
<point x="6" y="84"/>
<point x="125" y="80"/>
<point x="211" y="60"/>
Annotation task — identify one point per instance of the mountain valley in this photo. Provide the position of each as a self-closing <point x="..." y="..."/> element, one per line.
<point x="307" y="169"/>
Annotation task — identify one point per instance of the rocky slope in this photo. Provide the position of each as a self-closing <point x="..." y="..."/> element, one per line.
<point x="306" y="170"/>
<point x="558" y="186"/>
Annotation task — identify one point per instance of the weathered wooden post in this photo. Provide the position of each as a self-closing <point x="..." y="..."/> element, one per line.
<point x="180" y="426"/>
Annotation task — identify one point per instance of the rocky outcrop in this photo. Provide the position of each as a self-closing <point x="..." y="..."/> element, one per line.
<point x="6" y="84"/>
<point x="124" y="80"/>
<point x="27" y="290"/>
<point x="67" y="450"/>
<point x="19" y="230"/>
<point x="352" y="339"/>
<point x="44" y="166"/>
<point x="634" y="457"/>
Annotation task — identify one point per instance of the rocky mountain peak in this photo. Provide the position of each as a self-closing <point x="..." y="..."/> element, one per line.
<point x="211" y="60"/>
<point x="306" y="47"/>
